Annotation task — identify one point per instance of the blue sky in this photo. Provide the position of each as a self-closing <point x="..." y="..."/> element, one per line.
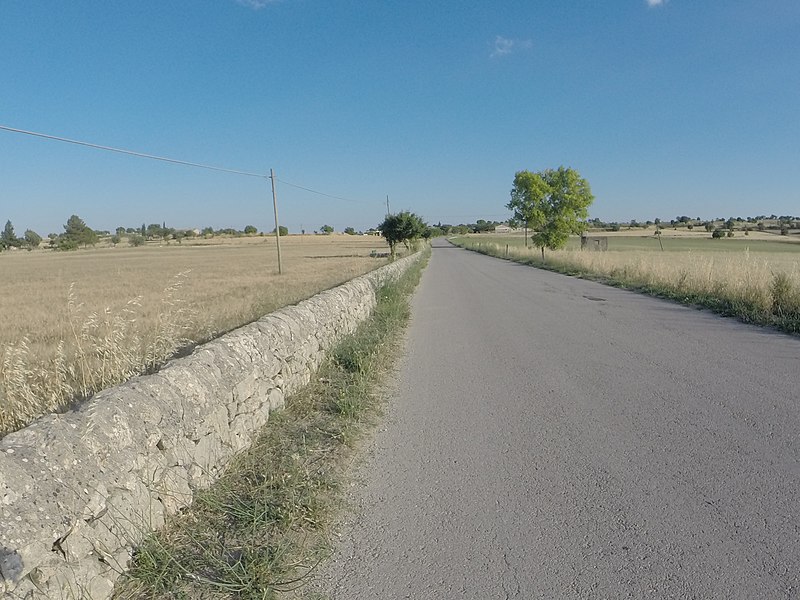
<point x="667" y="108"/>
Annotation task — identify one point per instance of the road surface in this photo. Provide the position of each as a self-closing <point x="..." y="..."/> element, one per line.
<point x="555" y="438"/>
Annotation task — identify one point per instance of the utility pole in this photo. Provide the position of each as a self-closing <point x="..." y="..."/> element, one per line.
<point x="387" y="206"/>
<point x="277" y="227"/>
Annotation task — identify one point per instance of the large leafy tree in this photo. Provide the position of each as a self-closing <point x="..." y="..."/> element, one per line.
<point x="402" y="228"/>
<point x="554" y="203"/>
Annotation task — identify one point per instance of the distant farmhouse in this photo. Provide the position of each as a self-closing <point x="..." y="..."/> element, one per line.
<point x="504" y="228"/>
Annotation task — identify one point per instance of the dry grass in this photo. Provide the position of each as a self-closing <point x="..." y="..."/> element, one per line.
<point x="74" y="323"/>
<point x="760" y="286"/>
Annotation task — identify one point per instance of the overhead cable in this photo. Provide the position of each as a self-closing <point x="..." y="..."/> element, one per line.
<point x="300" y="187"/>
<point x="132" y="153"/>
<point x="171" y="160"/>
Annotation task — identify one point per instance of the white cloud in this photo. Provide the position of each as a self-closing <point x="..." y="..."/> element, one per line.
<point x="503" y="46"/>
<point x="652" y="3"/>
<point x="257" y="4"/>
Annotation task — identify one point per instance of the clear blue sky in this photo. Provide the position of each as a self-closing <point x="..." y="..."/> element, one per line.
<point x="667" y="108"/>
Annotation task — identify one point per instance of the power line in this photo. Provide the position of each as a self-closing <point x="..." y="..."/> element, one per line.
<point x="133" y="153"/>
<point x="172" y="160"/>
<point x="300" y="187"/>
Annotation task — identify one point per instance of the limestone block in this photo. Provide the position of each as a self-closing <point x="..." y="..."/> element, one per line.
<point x="245" y="388"/>
<point x="173" y="491"/>
<point x="276" y="399"/>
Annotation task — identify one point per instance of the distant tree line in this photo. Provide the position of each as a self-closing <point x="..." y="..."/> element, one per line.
<point x="724" y="226"/>
<point x="77" y="234"/>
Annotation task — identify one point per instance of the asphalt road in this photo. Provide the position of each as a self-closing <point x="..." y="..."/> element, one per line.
<point x="555" y="438"/>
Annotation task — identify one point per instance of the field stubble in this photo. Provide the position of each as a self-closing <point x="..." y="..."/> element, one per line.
<point x="74" y="323"/>
<point x="757" y="281"/>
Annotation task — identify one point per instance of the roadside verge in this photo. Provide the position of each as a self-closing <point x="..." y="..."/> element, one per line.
<point x="79" y="491"/>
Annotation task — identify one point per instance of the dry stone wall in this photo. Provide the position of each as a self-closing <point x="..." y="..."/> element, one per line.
<point x="78" y="491"/>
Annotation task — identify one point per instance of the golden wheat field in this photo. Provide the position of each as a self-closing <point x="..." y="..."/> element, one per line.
<point x="74" y="322"/>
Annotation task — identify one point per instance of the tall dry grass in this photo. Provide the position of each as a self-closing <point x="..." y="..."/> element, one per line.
<point x="760" y="287"/>
<point x="75" y="323"/>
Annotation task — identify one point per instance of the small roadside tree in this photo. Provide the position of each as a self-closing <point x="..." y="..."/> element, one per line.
<point x="250" y="230"/>
<point x="326" y="229"/>
<point x="404" y="227"/>
<point x="553" y="202"/>
<point x="349" y="231"/>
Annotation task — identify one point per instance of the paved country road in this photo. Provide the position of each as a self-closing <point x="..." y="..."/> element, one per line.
<point x="555" y="438"/>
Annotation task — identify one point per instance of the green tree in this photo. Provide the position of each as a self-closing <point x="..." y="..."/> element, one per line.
<point x="250" y="230"/>
<point x="136" y="240"/>
<point x="553" y="202"/>
<point x="404" y="227"/>
<point x="115" y="239"/>
<point x="326" y="229"/>
<point x="527" y="201"/>
<point x="153" y="230"/>
<point x="76" y="233"/>
<point x="9" y="239"/>
<point x="282" y="231"/>
<point x="32" y="239"/>
<point x="349" y="231"/>
<point x="434" y="232"/>
<point x="207" y="231"/>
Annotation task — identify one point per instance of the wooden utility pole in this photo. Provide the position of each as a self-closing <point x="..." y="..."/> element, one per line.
<point x="387" y="206"/>
<point x="277" y="226"/>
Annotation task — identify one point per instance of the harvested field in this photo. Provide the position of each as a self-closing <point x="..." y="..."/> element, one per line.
<point x="74" y="322"/>
<point x="757" y="280"/>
